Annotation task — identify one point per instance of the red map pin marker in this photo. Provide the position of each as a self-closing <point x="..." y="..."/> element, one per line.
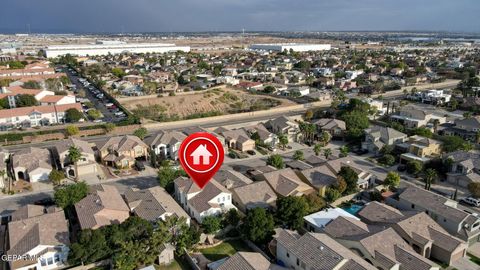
<point x="201" y="155"/>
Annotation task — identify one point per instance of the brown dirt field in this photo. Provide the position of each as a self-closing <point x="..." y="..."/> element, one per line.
<point x="219" y="99"/>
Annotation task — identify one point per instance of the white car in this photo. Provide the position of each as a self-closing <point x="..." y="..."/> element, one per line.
<point x="471" y="201"/>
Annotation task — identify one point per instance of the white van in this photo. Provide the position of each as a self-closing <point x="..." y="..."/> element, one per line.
<point x="471" y="201"/>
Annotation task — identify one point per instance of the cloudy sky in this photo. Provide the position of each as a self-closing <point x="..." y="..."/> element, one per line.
<point x="233" y="15"/>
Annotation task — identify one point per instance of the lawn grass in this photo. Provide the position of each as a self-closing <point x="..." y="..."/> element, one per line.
<point x="225" y="249"/>
<point x="474" y="258"/>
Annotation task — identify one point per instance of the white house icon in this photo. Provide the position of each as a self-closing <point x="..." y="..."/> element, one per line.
<point x="201" y="151"/>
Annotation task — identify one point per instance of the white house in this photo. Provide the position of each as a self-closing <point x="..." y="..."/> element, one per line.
<point x="212" y="200"/>
<point x="317" y="221"/>
<point x="42" y="234"/>
<point x="35" y="116"/>
<point x="166" y="143"/>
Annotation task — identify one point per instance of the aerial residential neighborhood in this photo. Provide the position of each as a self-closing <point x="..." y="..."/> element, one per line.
<point x="325" y="137"/>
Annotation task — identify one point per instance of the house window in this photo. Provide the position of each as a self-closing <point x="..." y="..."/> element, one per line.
<point x="43" y="262"/>
<point x="57" y="257"/>
<point x="298" y="261"/>
<point x="288" y="255"/>
<point x="50" y="261"/>
<point x="413" y="206"/>
<point x="218" y="200"/>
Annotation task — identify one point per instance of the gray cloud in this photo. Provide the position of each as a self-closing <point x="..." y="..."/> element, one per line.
<point x="233" y="15"/>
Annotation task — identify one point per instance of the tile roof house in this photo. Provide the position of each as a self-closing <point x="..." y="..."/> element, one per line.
<point x="35" y="115"/>
<point x="245" y="261"/>
<point x="314" y="251"/>
<point x="266" y="137"/>
<point x="283" y="125"/>
<point x="444" y="211"/>
<point x="420" y="148"/>
<point x="379" y="245"/>
<point x="32" y="164"/>
<point x="377" y="137"/>
<point x="122" y="151"/>
<point x="413" y="117"/>
<point x="86" y="165"/>
<point x="335" y="127"/>
<point x="256" y="194"/>
<point x="466" y="128"/>
<point x="103" y="206"/>
<point x="285" y="182"/>
<point x="317" y="221"/>
<point x="231" y="179"/>
<point x="422" y="233"/>
<point x="465" y="168"/>
<point x="42" y="234"/>
<point x="237" y="139"/>
<point x="166" y="143"/>
<point x="213" y="199"/>
<point x="153" y="204"/>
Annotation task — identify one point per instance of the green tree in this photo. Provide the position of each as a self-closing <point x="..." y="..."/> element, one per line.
<point x="308" y="115"/>
<point x="315" y="203"/>
<point x="298" y="155"/>
<point x="392" y="180"/>
<point x="356" y="122"/>
<point x="72" y="130"/>
<point x="118" y="72"/>
<point x="276" y="161"/>
<point x="67" y="196"/>
<point x="327" y="152"/>
<point x="424" y="132"/>
<point x="91" y="246"/>
<point x="340" y="185"/>
<point x="350" y="177"/>
<point x="474" y="189"/>
<point x="258" y="226"/>
<point x="454" y="143"/>
<point x="31" y="85"/>
<point x="73" y="115"/>
<point x="94" y="114"/>
<point x="291" y="210"/>
<point x="387" y="149"/>
<point x="25" y="100"/>
<point x="344" y="151"/>
<point x="211" y="224"/>
<point x="332" y="195"/>
<point x="74" y="155"/>
<point x="56" y="177"/>
<point x="141" y="133"/>
<point x="232" y="217"/>
<point x="166" y="175"/>
<point x="283" y="141"/>
<point x="414" y="167"/>
<point x="317" y="148"/>
<point x="387" y="160"/>
<point x="269" y="89"/>
<point x="429" y="178"/>
<point x="325" y="137"/>
<point x="109" y="127"/>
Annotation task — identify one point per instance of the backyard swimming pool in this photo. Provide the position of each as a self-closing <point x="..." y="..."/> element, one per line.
<point x="353" y="209"/>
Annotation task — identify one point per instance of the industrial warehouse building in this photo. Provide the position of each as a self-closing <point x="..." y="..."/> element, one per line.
<point x="280" y="47"/>
<point x="111" y="47"/>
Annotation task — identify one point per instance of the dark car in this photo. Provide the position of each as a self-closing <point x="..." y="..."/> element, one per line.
<point x="361" y="151"/>
<point x="251" y="152"/>
<point x="139" y="166"/>
<point x="401" y="167"/>
<point x="45" y="202"/>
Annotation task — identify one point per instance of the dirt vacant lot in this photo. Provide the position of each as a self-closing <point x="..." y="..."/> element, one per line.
<point x="216" y="101"/>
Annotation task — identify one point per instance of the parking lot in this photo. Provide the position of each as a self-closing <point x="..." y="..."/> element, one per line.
<point x="100" y="102"/>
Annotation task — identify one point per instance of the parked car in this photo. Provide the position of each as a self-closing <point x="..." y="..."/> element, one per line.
<point x="401" y="167"/>
<point x="470" y="201"/>
<point x="139" y="165"/>
<point x="45" y="202"/>
<point x="361" y="151"/>
<point x="251" y="152"/>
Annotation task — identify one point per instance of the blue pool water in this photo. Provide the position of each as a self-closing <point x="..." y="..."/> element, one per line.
<point x="353" y="209"/>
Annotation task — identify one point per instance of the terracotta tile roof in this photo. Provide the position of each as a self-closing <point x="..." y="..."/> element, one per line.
<point x="32" y="158"/>
<point x="24" y="111"/>
<point x="256" y="193"/>
<point x="246" y="261"/>
<point x="201" y="201"/>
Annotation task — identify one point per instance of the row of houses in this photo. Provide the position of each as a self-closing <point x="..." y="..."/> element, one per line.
<point x="38" y="237"/>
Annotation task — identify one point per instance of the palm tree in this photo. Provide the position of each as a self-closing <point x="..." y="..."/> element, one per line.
<point x="436" y="122"/>
<point x="317" y="148"/>
<point x="327" y="152"/>
<point x="429" y="178"/>
<point x="74" y="156"/>
<point x="283" y="141"/>
<point x="344" y="151"/>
